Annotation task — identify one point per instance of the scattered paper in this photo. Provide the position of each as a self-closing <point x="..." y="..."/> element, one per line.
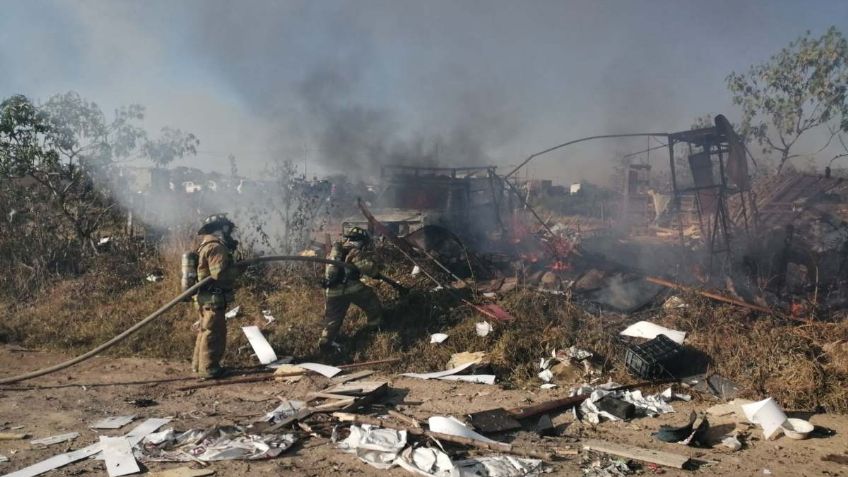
<point x="60" y="460"/>
<point x="118" y="454"/>
<point x="546" y="376"/>
<point x="767" y="414"/>
<point x="416" y="270"/>
<point x="646" y="329"/>
<point x="46" y="441"/>
<point x="454" y="427"/>
<point x="269" y="318"/>
<point x="471" y="378"/>
<point x="499" y="466"/>
<point x="115" y="422"/>
<point x="323" y="369"/>
<point x="375" y="446"/>
<point x="232" y="313"/>
<point x="670" y="395"/>
<point x="426" y="461"/>
<point x="483" y="328"/>
<point x="438" y="337"/>
<point x="264" y="352"/>
<point x="651" y="405"/>
<point x="288" y="408"/>
<point x="219" y="443"/>
<point x="458" y="359"/>
<point x="154" y="277"/>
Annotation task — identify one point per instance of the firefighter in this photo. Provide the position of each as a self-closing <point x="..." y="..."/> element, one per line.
<point x="215" y="259"/>
<point x="344" y="287"/>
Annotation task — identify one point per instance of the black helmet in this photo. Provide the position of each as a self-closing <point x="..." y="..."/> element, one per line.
<point x="358" y="234"/>
<point x="214" y="223"/>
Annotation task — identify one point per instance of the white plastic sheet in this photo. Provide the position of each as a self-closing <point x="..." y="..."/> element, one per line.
<point x="436" y="338"/>
<point x="483" y="328"/>
<point x="232" y="313"/>
<point x="426" y="461"/>
<point x="455" y="427"/>
<point x="646" y="329"/>
<point x="219" y="443"/>
<point x="375" y="446"/>
<point x="499" y="466"/>
<point x="439" y="374"/>
<point x="264" y="352"/>
<point x="322" y="369"/>
<point x="767" y="414"/>
<point x="286" y="409"/>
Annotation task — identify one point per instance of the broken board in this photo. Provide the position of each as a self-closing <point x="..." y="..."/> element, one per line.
<point x="359" y="388"/>
<point x="667" y="459"/>
<point x="352" y="377"/>
<point x="118" y="454"/>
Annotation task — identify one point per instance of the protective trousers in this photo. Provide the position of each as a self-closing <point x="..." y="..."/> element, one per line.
<point x="336" y="309"/>
<point x="211" y="339"/>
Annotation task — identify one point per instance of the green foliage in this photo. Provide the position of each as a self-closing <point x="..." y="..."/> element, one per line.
<point x="172" y="144"/>
<point x="801" y="88"/>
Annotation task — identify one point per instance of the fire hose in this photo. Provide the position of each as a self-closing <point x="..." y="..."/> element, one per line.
<point x="179" y="299"/>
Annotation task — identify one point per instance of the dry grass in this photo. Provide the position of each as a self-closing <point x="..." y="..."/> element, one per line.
<point x="764" y="356"/>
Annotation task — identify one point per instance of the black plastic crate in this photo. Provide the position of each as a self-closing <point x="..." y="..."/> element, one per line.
<point x="653" y="359"/>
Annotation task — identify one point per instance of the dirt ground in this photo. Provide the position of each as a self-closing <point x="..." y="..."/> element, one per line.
<point x="71" y="400"/>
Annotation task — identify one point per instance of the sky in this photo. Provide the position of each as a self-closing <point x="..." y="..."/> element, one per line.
<point x="344" y="86"/>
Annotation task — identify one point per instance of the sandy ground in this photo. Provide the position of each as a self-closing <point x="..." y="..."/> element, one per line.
<point x="71" y="400"/>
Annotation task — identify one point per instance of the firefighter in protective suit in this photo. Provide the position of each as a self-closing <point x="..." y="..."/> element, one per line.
<point x="215" y="259"/>
<point x="344" y="286"/>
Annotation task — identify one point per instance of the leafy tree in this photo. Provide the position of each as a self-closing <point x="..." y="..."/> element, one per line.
<point x="172" y="144"/>
<point x="801" y="88"/>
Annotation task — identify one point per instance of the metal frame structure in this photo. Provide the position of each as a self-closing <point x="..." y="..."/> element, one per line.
<point x="709" y="150"/>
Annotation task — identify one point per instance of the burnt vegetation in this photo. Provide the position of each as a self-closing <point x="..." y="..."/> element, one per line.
<point x="85" y="254"/>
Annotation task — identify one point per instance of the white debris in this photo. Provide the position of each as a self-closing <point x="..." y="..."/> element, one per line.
<point x="219" y="443"/>
<point x="3" y="458"/>
<point x="118" y="454"/>
<point x="646" y="329"/>
<point x="104" y="240"/>
<point x="416" y="270"/>
<point x="546" y="376"/>
<point x="573" y="353"/>
<point x="232" y="313"/>
<point x="115" y="422"/>
<point x="732" y="443"/>
<point x="675" y="302"/>
<point x="483" y="328"/>
<point x="426" y="461"/>
<point x="767" y="414"/>
<point x="46" y="441"/>
<point x="375" y="446"/>
<point x="454" y="427"/>
<point x="286" y="409"/>
<point x="652" y="405"/>
<point x="154" y="277"/>
<point x="322" y="369"/>
<point x="499" y="466"/>
<point x="264" y="352"/>
<point x="548" y="386"/>
<point x="438" y="338"/>
<point x="670" y="395"/>
<point x="269" y="318"/>
<point x="490" y="294"/>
